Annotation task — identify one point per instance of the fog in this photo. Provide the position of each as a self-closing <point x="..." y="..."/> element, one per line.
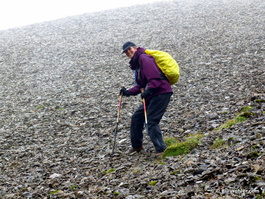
<point x="15" y="13"/>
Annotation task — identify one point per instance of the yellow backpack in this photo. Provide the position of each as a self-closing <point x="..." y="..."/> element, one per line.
<point x="166" y="64"/>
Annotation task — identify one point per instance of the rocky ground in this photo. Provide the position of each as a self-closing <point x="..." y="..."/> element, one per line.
<point x="59" y="91"/>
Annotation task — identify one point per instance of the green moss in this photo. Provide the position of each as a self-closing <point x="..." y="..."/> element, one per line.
<point x="181" y="148"/>
<point x="55" y="192"/>
<point x="175" y="172"/>
<point x="240" y="117"/>
<point x="74" y="187"/>
<point x="245" y="114"/>
<point x="231" y="122"/>
<point x="246" y="108"/>
<point x="136" y="171"/>
<point x="169" y="141"/>
<point x="257" y="178"/>
<point x="261" y="196"/>
<point x="109" y="171"/>
<point x="153" y="183"/>
<point x="196" y="136"/>
<point x="255" y="147"/>
<point x="218" y="143"/>
<point x="259" y="100"/>
<point x="253" y="154"/>
<point x="39" y="107"/>
<point x="116" y="193"/>
<point x="178" y="149"/>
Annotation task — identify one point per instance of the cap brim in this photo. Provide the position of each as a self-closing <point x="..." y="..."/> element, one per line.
<point x="125" y="49"/>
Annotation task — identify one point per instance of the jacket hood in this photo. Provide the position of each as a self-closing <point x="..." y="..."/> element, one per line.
<point x="134" y="63"/>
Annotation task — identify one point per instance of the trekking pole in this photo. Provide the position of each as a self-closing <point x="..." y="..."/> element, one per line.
<point x="146" y="125"/>
<point x="117" y="123"/>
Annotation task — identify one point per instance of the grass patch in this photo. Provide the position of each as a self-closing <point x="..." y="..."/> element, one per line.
<point x="116" y="193"/>
<point x="56" y="192"/>
<point x="39" y="107"/>
<point x="253" y="155"/>
<point x="109" y="171"/>
<point x="260" y="100"/>
<point x="153" y="183"/>
<point x="261" y="196"/>
<point x="169" y="141"/>
<point x="246" y="108"/>
<point x="240" y="117"/>
<point x="73" y="187"/>
<point x="175" y="172"/>
<point x="232" y="122"/>
<point x="179" y="148"/>
<point x="218" y="143"/>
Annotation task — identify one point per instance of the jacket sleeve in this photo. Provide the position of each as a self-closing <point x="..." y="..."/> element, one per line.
<point x="134" y="90"/>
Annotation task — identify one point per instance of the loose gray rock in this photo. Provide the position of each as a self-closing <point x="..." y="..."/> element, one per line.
<point x="59" y="95"/>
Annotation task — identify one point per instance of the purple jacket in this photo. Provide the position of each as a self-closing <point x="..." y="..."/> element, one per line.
<point x="148" y="75"/>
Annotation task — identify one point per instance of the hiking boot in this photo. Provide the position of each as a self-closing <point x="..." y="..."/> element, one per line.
<point x="132" y="150"/>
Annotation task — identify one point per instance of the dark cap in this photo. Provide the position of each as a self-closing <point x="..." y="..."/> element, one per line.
<point x="127" y="45"/>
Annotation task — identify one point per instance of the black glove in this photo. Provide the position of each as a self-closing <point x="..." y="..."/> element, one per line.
<point x="148" y="92"/>
<point x="124" y="92"/>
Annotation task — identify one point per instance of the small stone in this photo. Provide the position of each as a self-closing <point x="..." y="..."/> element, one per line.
<point x="55" y="175"/>
<point x="213" y="116"/>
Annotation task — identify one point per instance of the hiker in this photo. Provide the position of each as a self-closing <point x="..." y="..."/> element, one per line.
<point x="157" y="93"/>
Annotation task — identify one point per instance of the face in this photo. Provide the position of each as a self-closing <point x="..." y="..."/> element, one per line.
<point x="130" y="51"/>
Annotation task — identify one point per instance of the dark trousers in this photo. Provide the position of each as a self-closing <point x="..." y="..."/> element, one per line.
<point x="155" y="111"/>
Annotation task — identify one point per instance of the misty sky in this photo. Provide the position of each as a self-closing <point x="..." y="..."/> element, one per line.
<point x="15" y="13"/>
